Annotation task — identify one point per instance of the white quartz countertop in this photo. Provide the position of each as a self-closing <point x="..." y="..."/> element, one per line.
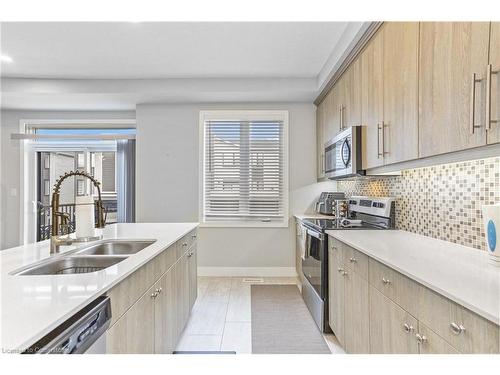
<point x="460" y="273"/>
<point x="33" y="305"/>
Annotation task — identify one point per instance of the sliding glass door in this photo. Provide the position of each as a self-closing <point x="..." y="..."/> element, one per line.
<point x="112" y="165"/>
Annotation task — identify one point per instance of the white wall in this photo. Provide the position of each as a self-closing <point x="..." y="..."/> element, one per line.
<point x="10" y="162"/>
<point x="168" y="177"/>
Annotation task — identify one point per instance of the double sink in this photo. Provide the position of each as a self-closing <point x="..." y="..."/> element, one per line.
<point x="92" y="258"/>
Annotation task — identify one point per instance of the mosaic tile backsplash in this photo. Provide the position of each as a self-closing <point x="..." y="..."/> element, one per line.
<point x="442" y="201"/>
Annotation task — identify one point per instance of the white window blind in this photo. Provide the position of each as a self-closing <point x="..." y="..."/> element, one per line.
<point x="244" y="176"/>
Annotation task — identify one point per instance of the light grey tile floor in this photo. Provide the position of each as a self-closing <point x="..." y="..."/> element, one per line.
<point x="221" y="316"/>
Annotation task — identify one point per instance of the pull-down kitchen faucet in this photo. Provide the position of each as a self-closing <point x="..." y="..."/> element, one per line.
<point x="57" y="240"/>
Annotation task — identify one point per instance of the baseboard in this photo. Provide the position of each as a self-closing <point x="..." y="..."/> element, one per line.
<point x="248" y="271"/>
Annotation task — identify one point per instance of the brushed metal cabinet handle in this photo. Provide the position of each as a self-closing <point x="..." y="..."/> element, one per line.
<point x="379" y="154"/>
<point x="457" y="329"/>
<point x="384" y="125"/>
<point x="489" y="121"/>
<point x="353" y="260"/>
<point x="408" y="328"/>
<point x="421" y="339"/>
<point x="340" y="118"/>
<point x="473" y="103"/>
<point x="386" y="281"/>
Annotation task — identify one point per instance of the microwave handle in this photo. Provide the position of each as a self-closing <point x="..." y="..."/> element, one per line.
<point x="345" y="144"/>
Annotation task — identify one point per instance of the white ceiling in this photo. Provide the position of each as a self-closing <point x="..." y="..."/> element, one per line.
<point x="117" y="65"/>
<point x="167" y="49"/>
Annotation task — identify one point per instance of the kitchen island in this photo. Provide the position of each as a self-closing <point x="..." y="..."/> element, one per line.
<point x="33" y="305"/>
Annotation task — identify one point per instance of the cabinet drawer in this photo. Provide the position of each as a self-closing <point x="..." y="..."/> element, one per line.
<point x="186" y="242"/>
<point x="394" y="285"/>
<point x="355" y="260"/>
<point x="337" y="248"/>
<point x="463" y="329"/>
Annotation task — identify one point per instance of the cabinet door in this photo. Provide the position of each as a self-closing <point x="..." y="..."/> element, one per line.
<point x="182" y="282"/>
<point x="165" y="318"/>
<point x="320" y="124"/>
<point x="372" y="103"/>
<point x="193" y="276"/>
<point x="133" y="333"/>
<point x="357" y="314"/>
<point x="338" y="105"/>
<point x="392" y="329"/>
<point x="352" y="95"/>
<point x="336" y="291"/>
<point x="494" y="126"/>
<point x="450" y="53"/>
<point x="299" y="249"/>
<point x="431" y="343"/>
<point x="331" y="126"/>
<point x="400" y="58"/>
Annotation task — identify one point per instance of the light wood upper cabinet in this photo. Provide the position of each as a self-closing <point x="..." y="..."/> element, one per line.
<point x="320" y="149"/>
<point x="351" y="95"/>
<point x="372" y="103"/>
<point x="494" y="126"/>
<point x="331" y="115"/>
<point x="450" y="53"/>
<point x="400" y="57"/>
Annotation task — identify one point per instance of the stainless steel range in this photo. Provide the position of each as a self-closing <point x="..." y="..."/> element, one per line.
<point x="365" y="213"/>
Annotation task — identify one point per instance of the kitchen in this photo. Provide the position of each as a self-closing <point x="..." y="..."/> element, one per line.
<point x="337" y="191"/>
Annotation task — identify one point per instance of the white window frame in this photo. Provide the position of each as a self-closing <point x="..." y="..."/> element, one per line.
<point x="244" y="115"/>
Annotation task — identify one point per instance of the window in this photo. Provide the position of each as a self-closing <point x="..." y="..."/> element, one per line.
<point x="244" y="164"/>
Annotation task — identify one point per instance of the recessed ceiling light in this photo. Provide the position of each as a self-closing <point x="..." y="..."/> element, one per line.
<point x="5" y="58"/>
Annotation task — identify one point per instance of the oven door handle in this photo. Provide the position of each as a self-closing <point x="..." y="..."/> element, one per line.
<point x="314" y="234"/>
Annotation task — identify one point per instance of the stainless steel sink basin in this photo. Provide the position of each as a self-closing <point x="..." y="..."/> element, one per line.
<point x="72" y="265"/>
<point x="116" y="247"/>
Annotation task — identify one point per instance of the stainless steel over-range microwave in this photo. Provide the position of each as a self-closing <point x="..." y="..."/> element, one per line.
<point x="343" y="154"/>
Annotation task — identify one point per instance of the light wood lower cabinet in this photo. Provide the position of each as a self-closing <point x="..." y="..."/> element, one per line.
<point x="154" y="323"/>
<point x="165" y="314"/>
<point x="357" y="308"/>
<point x="374" y="308"/>
<point x="193" y="275"/>
<point x="430" y="343"/>
<point x="348" y="296"/>
<point x="134" y="331"/>
<point x="392" y="329"/>
<point x="336" y="291"/>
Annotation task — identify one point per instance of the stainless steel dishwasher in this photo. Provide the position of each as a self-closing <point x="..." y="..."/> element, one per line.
<point x="84" y="332"/>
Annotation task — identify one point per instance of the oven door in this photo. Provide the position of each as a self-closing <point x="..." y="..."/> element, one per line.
<point x="312" y="262"/>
